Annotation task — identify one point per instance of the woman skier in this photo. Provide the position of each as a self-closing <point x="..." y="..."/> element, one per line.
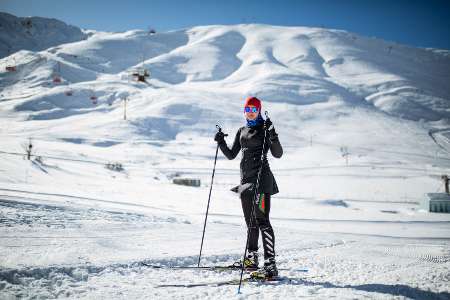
<point x="250" y="139"/>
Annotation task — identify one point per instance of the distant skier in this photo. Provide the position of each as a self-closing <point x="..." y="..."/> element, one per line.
<point x="249" y="139"/>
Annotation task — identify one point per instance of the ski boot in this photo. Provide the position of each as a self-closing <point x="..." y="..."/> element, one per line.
<point x="270" y="269"/>
<point x="251" y="261"/>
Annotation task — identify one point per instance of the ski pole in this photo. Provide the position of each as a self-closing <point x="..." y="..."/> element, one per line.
<point x="209" y="199"/>
<point x="252" y="214"/>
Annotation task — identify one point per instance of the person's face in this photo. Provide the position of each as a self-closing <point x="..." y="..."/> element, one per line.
<point x="251" y="115"/>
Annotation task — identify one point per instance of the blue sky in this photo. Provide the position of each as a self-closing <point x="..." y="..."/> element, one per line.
<point x="419" y="23"/>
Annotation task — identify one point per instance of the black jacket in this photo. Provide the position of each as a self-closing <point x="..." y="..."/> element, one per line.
<point x="250" y="141"/>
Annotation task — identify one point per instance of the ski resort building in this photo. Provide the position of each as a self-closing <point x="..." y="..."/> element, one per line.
<point x="437" y="202"/>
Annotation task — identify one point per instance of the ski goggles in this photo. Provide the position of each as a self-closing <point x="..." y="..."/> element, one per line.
<point x="248" y="109"/>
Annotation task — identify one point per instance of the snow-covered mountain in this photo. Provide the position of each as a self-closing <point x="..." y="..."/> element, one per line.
<point x="34" y="33"/>
<point x="292" y="65"/>
<point x="365" y="126"/>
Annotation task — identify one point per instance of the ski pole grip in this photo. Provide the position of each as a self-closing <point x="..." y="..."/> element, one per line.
<point x="220" y="130"/>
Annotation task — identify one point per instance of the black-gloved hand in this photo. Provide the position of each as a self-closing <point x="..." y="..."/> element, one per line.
<point x="268" y="125"/>
<point x="219" y="137"/>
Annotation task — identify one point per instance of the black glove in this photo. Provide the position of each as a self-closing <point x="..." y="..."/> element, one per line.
<point x="268" y="125"/>
<point x="219" y="137"/>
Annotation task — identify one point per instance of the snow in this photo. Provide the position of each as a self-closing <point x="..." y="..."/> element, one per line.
<point x="70" y="227"/>
<point x="34" y="33"/>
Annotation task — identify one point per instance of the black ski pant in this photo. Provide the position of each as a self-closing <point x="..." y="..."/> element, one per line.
<point x="259" y="222"/>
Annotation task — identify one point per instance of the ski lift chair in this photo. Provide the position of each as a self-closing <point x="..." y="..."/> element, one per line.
<point x="141" y="78"/>
<point x="56" y="79"/>
<point x="11" y="65"/>
<point x="141" y="74"/>
<point x="11" y="68"/>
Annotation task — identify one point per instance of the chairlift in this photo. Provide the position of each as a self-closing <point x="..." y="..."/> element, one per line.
<point x="140" y="74"/>
<point x="56" y="79"/>
<point x="151" y="30"/>
<point x="93" y="98"/>
<point x="11" y="67"/>
<point x="141" y="78"/>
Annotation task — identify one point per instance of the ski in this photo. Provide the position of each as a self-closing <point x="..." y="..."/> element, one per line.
<point x="275" y="280"/>
<point x="211" y="268"/>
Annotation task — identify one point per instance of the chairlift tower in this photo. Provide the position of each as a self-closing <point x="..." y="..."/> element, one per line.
<point x="345" y="153"/>
<point x="125" y="100"/>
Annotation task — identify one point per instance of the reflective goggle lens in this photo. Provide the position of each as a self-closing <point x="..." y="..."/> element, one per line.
<point x="251" y="109"/>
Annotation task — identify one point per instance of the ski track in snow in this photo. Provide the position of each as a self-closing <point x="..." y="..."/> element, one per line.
<point x="329" y="273"/>
<point x="331" y="264"/>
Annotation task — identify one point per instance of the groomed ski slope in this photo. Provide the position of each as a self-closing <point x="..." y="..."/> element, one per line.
<point x="69" y="227"/>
